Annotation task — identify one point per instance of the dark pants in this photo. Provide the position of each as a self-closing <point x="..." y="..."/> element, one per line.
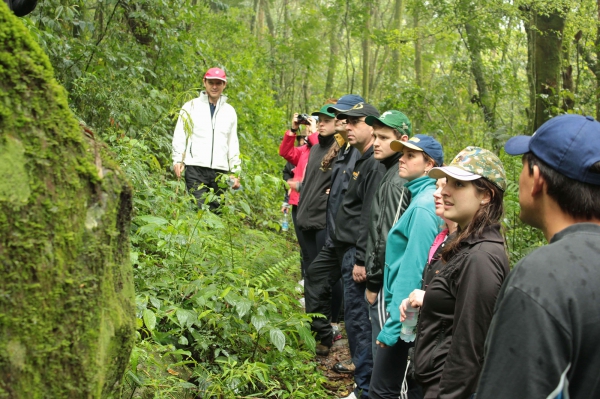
<point x="323" y="293"/>
<point x="303" y="253"/>
<point x="199" y="180"/>
<point x="358" y="325"/>
<point x="388" y="373"/>
<point x="314" y="241"/>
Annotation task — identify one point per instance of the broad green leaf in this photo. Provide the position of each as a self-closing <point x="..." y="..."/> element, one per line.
<point x="243" y="306"/>
<point x="277" y="338"/>
<point x="258" y="321"/>
<point x="149" y="319"/>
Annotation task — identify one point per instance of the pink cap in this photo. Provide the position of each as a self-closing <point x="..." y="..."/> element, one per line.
<point x="215" y="73"/>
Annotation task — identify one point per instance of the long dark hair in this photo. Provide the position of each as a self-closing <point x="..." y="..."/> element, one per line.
<point x="487" y="215"/>
<point x="330" y="156"/>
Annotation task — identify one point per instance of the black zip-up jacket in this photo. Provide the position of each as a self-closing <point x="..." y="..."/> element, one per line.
<point x="386" y="205"/>
<point x="352" y="219"/>
<point x="456" y="314"/>
<point x="313" y="197"/>
<point x="340" y="178"/>
<point x="544" y="335"/>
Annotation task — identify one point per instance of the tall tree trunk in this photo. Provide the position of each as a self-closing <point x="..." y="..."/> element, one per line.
<point x="67" y="304"/>
<point x="267" y="12"/>
<point x="333" y="52"/>
<point x="484" y="99"/>
<point x="416" y="121"/>
<point x="547" y="31"/>
<point x="366" y="44"/>
<point x="396" y="62"/>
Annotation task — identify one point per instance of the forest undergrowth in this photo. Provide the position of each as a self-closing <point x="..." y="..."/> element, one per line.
<point x="217" y="295"/>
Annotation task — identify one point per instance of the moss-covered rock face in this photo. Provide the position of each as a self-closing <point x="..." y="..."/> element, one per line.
<point x="66" y="284"/>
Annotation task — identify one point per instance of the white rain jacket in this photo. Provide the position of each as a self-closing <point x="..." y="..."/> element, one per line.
<point x="209" y="142"/>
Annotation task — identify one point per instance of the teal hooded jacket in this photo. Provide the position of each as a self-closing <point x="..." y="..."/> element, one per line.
<point x="408" y="244"/>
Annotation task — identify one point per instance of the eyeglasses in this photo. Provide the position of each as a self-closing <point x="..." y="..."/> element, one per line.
<point x="354" y="122"/>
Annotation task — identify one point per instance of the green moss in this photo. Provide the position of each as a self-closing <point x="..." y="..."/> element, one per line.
<point x="66" y="284"/>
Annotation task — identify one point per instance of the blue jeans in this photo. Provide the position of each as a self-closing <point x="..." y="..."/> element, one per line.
<point x="377" y="316"/>
<point x="358" y="326"/>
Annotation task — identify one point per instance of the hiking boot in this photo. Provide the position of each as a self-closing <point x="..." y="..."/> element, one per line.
<point x="346" y="367"/>
<point x="322" y="350"/>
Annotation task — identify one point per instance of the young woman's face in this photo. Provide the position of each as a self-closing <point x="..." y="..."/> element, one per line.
<point x="437" y="197"/>
<point x="326" y="125"/>
<point x="413" y="164"/>
<point x="462" y="201"/>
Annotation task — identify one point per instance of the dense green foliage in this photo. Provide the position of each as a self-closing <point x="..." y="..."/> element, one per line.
<point x="215" y="294"/>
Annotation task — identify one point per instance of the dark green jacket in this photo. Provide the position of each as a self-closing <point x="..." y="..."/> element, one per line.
<point x="386" y="205"/>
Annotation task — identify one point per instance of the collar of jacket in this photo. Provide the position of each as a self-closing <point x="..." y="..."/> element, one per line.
<point x="392" y="160"/>
<point x="340" y="140"/>
<point x="419" y="184"/>
<point x="204" y="98"/>
<point x="367" y="154"/>
<point x="326" y="141"/>
<point x="490" y="233"/>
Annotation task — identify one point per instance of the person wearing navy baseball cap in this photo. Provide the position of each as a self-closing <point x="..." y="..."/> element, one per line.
<point x="543" y="337"/>
<point x="205" y="141"/>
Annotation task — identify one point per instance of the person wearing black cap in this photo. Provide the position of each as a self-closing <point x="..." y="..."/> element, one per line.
<point x="543" y="340"/>
<point x="323" y="289"/>
<point x="350" y="238"/>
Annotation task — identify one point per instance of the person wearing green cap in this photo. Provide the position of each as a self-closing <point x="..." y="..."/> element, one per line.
<point x="457" y="301"/>
<point x="390" y="202"/>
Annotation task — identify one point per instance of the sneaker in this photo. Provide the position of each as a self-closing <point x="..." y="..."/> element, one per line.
<point x="351" y="396"/>
<point x="322" y="350"/>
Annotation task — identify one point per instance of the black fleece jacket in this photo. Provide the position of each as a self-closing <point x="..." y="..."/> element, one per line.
<point x="384" y="209"/>
<point x="352" y="219"/>
<point x="456" y="315"/>
<point x="313" y="195"/>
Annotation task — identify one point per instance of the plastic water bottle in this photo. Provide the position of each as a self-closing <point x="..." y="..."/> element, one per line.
<point x="230" y="183"/>
<point x="285" y="223"/>
<point x="407" y="332"/>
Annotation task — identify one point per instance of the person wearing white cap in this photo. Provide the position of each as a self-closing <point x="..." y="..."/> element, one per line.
<point x="205" y="141"/>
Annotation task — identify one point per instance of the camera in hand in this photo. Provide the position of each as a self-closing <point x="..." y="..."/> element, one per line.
<point x="303" y="119"/>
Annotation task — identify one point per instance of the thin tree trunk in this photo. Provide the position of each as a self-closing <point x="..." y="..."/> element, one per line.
<point x="396" y="62"/>
<point x="416" y="122"/>
<point x="366" y="44"/>
<point x="333" y="52"/>
<point x="484" y="100"/>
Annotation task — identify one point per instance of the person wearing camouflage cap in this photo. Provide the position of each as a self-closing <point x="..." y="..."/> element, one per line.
<point x="462" y="292"/>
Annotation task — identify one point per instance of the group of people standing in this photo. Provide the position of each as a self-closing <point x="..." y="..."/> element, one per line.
<point x="406" y="233"/>
<point x="373" y="220"/>
<point x="386" y="226"/>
